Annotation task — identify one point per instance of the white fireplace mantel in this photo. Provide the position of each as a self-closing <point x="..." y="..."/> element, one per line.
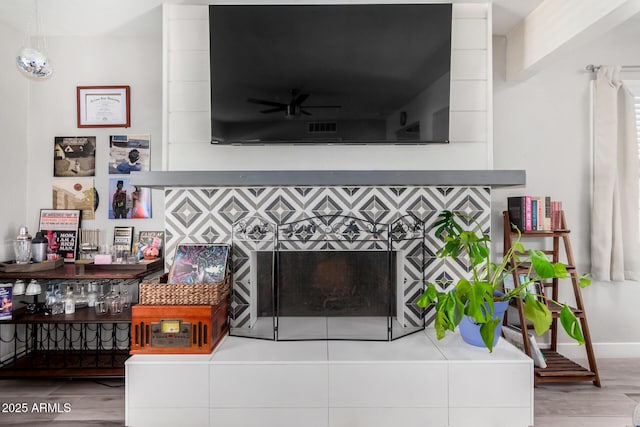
<point x="483" y="178"/>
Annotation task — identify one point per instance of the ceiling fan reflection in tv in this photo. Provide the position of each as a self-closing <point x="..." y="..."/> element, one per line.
<point x="294" y="108"/>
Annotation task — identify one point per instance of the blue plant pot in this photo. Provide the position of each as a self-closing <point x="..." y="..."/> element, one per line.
<point x="470" y="331"/>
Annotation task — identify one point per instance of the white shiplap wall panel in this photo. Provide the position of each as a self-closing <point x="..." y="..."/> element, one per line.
<point x="189" y="96"/>
<point x="469" y="95"/>
<point x="187" y="127"/>
<point x="469" y="34"/>
<point x="189" y="65"/>
<point x="178" y="12"/>
<point x="187" y="34"/>
<point x="468" y="65"/>
<point x="471" y="10"/>
<point x="470" y="126"/>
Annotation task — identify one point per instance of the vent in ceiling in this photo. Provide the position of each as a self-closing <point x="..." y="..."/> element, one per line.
<point x="322" y="127"/>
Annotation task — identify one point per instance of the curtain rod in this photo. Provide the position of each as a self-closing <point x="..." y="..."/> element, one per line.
<point x="594" y="68"/>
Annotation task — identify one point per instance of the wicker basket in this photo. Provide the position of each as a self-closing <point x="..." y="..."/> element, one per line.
<point x="183" y="294"/>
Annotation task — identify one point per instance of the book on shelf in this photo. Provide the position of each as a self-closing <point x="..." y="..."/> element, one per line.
<point x="513" y="334"/>
<point x="534" y="213"/>
<point x="534" y="288"/>
<point x="6" y="301"/>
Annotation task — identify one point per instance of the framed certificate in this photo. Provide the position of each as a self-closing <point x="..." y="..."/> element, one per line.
<point x="103" y="106"/>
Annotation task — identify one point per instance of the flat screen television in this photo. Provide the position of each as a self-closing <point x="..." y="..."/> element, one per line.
<point x="330" y="74"/>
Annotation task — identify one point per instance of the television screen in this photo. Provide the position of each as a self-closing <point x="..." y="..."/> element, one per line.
<point x="351" y="74"/>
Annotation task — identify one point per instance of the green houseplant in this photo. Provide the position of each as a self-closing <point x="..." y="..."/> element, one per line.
<point x="474" y="297"/>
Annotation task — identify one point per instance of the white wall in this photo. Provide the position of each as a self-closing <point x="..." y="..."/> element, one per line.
<point x="187" y="114"/>
<point x="542" y="125"/>
<point x="14" y="91"/>
<point x="86" y="61"/>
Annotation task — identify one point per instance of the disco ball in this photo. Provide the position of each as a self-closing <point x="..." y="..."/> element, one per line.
<point x="34" y="63"/>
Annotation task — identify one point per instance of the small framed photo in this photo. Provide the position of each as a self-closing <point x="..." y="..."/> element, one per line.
<point x="199" y="264"/>
<point x="150" y="245"/>
<point x="123" y="237"/>
<point x="103" y="106"/>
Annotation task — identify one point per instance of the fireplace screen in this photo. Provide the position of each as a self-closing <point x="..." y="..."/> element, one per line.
<point x="326" y="283"/>
<point x="326" y="278"/>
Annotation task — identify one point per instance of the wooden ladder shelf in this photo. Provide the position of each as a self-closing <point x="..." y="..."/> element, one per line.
<point x="559" y="368"/>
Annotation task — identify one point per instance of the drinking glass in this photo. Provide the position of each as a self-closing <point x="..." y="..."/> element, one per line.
<point x="101" y="305"/>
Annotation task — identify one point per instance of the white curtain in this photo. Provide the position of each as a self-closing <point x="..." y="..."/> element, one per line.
<point x="614" y="218"/>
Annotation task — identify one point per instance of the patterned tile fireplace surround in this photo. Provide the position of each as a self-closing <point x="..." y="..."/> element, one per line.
<point x="207" y="214"/>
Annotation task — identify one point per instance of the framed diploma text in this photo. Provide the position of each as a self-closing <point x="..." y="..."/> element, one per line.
<point x="103" y="106"/>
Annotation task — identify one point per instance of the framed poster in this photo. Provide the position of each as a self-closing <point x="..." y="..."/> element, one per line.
<point x="123" y="237"/>
<point x="128" y="201"/>
<point x="128" y="153"/>
<point x="61" y="227"/>
<point x="103" y="106"/>
<point x="199" y="264"/>
<point x="74" y="156"/>
<point x="79" y="193"/>
<point x="149" y="245"/>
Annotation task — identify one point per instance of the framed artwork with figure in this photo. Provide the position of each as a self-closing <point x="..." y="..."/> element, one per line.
<point x="128" y="201"/>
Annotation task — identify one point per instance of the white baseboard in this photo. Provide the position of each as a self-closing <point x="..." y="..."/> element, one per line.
<point x="601" y="350"/>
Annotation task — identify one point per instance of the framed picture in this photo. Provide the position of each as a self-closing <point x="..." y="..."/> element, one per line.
<point x="128" y="201"/>
<point x="150" y="245"/>
<point x="78" y="193"/>
<point x="74" y="156"/>
<point x="128" y="153"/>
<point x="123" y="237"/>
<point x="61" y="228"/>
<point x="103" y="106"/>
<point x="199" y="264"/>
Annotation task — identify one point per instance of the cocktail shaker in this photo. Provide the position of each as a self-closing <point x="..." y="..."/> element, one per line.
<point x="39" y="246"/>
<point x="22" y="246"/>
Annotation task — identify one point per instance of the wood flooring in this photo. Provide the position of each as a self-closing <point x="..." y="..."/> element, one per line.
<point x="584" y="405"/>
<point x="100" y="403"/>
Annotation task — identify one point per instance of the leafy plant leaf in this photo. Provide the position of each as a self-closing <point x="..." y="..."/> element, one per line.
<point x="454" y="310"/>
<point x="560" y="270"/>
<point x="488" y="331"/>
<point x="518" y="246"/>
<point x="584" y="281"/>
<point x="428" y="297"/>
<point x="541" y="264"/>
<point x="570" y="324"/>
<point x="479" y="306"/>
<point x="538" y="313"/>
<point x="440" y="325"/>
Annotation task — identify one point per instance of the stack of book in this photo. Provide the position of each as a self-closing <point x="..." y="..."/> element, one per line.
<point x="534" y="213"/>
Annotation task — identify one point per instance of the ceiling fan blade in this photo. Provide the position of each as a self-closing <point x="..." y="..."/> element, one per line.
<point x="300" y="99"/>
<point x="265" y="102"/>
<point x="323" y="106"/>
<point x="274" y="110"/>
<point x="306" y="113"/>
